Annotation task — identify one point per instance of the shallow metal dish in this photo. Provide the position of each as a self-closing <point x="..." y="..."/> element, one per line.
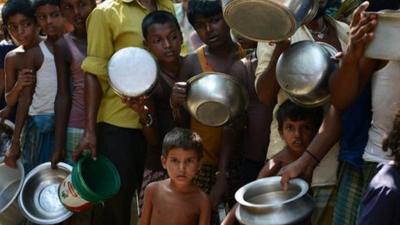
<point x="132" y="72"/>
<point x="215" y="99"/>
<point x="264" y="202"/>
<point x="303" y="72"/>
<point x="39" y="200"/>
<point x="268" y="20"/>
<point x="385" y="44"/>
<point x="11" y="181"/>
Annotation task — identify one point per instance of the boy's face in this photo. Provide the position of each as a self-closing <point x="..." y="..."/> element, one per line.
<point x="22" y="29"/>
<point x="164" y="41"/>
<point x="297" y="134"/>
<point x="50" y="19"/>
<point x="181" y="165"/>
<point x="213" y="30"/>
<point x="77" y="11"/>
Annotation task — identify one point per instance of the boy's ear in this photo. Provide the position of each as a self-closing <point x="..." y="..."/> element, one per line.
<point x="145" y="43"/>
<point x="164" y="162"/>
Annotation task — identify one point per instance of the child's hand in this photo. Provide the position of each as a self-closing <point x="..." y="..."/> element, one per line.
<point x="57" y="156"/>
<point x="25" y="78"/>
<point x="178" y="95"/>
<point x="12" y="155"/>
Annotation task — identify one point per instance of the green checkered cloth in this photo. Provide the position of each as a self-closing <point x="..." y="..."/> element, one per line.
<point x="74" y="135"/>
<point x="348" y="195"/>
<point x="324" y="198"/>
<point x="352" y="184"/>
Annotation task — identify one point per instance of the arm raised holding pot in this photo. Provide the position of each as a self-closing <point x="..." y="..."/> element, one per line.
<point x="356" y="70"/>
<point x="345" y="85"/>
<point x="267" y="86"/>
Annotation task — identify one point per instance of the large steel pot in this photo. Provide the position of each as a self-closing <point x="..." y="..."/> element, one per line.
<point x="271" y="20"/>
<point x="215" y="99"/>
<point x="264" y="202"/>
<point x="303" y="72"/>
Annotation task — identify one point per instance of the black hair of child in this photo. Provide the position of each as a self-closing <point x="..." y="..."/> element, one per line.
<point x="39" y="3"/>
<point x="206" y="8"/>
<point x="158" y="17"/>
<point x="12" y="7"/>
<point x="184" y="139"/>
<point x="289" y="110"/>
<point x="392" y="142"/>
<point x="378" y="5"/>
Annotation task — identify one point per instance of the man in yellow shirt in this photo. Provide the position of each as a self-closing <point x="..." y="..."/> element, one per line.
<point x="117" y="131"/>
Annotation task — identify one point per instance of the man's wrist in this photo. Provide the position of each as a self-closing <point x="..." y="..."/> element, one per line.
<point x="147" y="120"/>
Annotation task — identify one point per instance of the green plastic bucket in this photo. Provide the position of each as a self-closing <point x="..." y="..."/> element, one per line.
<point x="95" y="180"/>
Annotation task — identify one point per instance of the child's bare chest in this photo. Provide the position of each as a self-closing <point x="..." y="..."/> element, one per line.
<point x="175" y="210"/>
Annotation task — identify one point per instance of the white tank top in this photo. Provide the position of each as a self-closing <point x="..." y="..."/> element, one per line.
<point x="46" y="85"/>
<point x="385" y="105"/>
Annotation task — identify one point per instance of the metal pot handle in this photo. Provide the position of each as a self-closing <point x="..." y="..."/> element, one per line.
<point x="312" y="12"/>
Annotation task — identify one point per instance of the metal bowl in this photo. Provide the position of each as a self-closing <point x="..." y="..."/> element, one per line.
<point x="10" y="184"/>
<point x="264" y="202"/>
<point x="132" y="72"/>
<point x="303" y="72"/>
<point x="386" y="36"/>
<point x="39" y="200"/>
<point x="268" y="20"/>
<point x="215" y="99"/>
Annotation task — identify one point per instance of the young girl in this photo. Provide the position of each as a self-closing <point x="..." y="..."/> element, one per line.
<point x="70" y="50"/>
<point x="381" y="202"/>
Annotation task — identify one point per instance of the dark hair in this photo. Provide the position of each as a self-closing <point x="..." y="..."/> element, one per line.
<point x="182" y="138"/>
<point x="377" y="5"/>
<point x="158" y="17"/>
<point x="392" y="142"/>
<point x="38" y="3"/>
<point x="206" y="8"/>
<point x="289" y="110"/>
<point x="12" y="7"/>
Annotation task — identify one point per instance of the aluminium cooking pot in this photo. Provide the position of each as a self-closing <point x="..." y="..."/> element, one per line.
<point x="268" y="20"/>
<point x="264" y="202"/>
<point x="303" y="72"/>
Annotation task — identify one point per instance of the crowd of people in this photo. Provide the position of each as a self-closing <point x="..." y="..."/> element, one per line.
<point x="56" y="89"/>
